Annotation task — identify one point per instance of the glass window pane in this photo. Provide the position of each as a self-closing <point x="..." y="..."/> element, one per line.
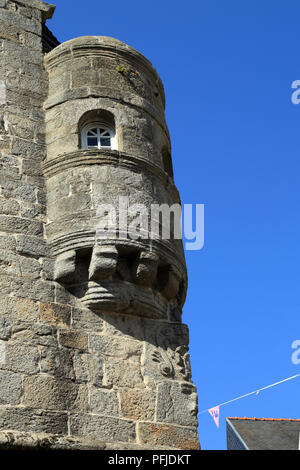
<point x="105" y="142"/>
<point x="106" y="133"/>
<point x="92" y="142"/>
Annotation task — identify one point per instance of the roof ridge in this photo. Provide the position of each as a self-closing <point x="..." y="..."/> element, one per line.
<point x="263" y="419"/>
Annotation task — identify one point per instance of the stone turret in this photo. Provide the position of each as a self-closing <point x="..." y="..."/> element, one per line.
<point x="93" y="350"/>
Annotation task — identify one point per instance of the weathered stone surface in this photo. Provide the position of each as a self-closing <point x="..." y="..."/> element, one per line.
<point x="32" y="441"/>
<point x="115" y="347"/>
<point x="39" y="334"/>
<point x="93" y="352"/>
<point x="65" y="266"/>
<point x="21" y="358"/>
<point x="168" y="435"/>
<point x="73" y="339"/>
<point x="26" y="419"/>
<point x="57" y="362"/>
<point x="177" y="403"/>
<point x="103" y="263"/>
<point x="9" y="206"/>
<point x="18" y="309"/>
<point x="123" y="374"/>
<point x="11" y="388"/>
<point x="47" y="392"/>
<point x="166" y="353"/>
<point x="38" y="290"/>
<point x="87" y="320"/>
<point x="17" y="225"/>
<point x="5" y="328"/>
<point x="88" y="368"/>
<point x="137" y="404"/>
<point x="30" y="246"/>
<point x="124" y="326"/>
<point x="104" y="402"/>
<point x="102" y="427"/>
<point x="55" y="314"/>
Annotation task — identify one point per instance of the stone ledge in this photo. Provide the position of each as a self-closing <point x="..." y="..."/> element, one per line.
<point x="47" y="9"/>
<point x="87" y="157"/>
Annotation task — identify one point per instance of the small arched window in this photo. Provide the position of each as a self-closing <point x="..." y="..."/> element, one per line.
<point x="98" y="136"/>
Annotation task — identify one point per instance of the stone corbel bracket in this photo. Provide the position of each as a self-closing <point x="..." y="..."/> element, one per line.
<point x="138" y="285"/>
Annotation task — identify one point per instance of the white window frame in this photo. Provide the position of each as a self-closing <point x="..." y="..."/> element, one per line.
<point x="98" y="125"/>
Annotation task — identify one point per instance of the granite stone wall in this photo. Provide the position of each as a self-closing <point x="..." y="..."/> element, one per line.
<point x="93" y="351"/>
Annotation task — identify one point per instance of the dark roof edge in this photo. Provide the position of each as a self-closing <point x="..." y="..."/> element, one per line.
<point x="236" y="433"/>
<point x="262" y="419"/>
<point x="48" y="39"/>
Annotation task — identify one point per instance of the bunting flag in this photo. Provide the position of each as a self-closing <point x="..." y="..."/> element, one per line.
<point x="215" y="413"/>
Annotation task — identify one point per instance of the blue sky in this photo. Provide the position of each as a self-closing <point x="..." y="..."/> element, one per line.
<point x="227" y="69"/>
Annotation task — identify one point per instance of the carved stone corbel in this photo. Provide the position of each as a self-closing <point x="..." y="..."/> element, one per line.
<point x="64" y="268"/>
<point x="146" y="268"/>
<point x="170" y="282"/>
<point x="103" y="263"/>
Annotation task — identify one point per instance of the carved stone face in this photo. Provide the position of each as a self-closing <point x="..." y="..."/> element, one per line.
<point x="89" y="89"/>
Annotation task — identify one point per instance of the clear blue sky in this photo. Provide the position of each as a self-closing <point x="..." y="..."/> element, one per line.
<point x="227" y="67"/>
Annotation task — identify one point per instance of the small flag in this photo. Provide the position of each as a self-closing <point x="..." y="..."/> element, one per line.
<point x="215" y="413"/>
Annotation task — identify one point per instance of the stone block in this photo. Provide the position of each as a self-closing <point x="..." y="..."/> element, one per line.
<point x="28" y="149"/>
<point x="102" y="427"/>
<point x="38" y="290"/>
<point x="87" y="320"/>
<point x="168" y="435"/>
<point x="85" y="76"/>
<point x="43" y="391"/>
<point x="55" y="314"/>
<point x="5" y="328"/>
<point x="57" y="362"/>
<point x="69" y="205"/>
<point x="124" y="326"/>
<point x="5" y="286"/>
<point x="177" y="403"/>
<point x="37" y="333"/>
<point x="115" y="347"/>
<point x="48" y="269"/>
<point x="17" y="265"/>
<point x="162" y="362"/>
<point x="88" y="368"/>
<point x="21" y="358"/>
<point x="20" y="225"/>
<point x="18" y="309"/>
<point x="9" y="206"/>
<point x="11" y="388"/>
<point x="73" y="339"/>
<point x="137" y="404"/>
<point x="123" y="374"/>
<point x="104" y="402"/>
<point x="30" y="420"/>
<point x="7" y="243"/>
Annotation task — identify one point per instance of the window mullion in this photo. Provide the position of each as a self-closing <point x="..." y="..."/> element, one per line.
<point x="98" y="137"/>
